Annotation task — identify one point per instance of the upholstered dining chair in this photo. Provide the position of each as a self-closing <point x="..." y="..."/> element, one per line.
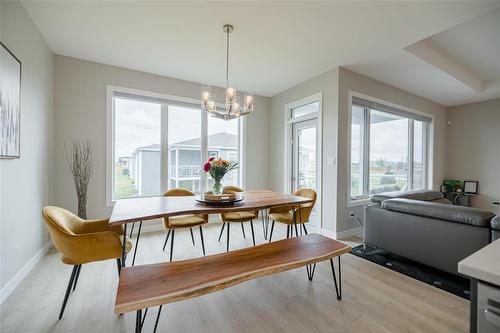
<point x="285" y="214"/>
<point x="82" y="241"/>
<point x="183" y="221"/>
<point x="237" y="217"/>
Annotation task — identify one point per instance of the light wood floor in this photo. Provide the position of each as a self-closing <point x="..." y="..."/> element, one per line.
<point x="375" y="299"/>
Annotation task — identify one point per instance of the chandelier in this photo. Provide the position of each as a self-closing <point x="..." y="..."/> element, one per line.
<point x="236" y="106"/>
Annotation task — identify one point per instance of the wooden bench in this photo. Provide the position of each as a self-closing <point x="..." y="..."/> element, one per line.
<point x="142" y="287"/>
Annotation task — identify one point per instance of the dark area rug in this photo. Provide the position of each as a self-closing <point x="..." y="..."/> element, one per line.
<point x="443" y="280"/>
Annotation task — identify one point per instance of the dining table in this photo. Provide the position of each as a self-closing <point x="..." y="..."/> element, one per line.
<point x="139" y="210"/>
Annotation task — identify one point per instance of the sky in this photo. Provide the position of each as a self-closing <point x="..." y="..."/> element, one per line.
<point x="138" y="124"/>
<point x="388" y="138"/>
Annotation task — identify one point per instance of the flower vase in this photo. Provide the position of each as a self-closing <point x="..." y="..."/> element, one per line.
<point x="217" y="187"/>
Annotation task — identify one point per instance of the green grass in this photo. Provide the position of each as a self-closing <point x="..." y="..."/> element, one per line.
<point x="124" y="185"/>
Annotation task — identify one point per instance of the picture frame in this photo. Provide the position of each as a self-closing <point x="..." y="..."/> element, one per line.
<point x="471" y="186"/>
<point x="10" y="102"/>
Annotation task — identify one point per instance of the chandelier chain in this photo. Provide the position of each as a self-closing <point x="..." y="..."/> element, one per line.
<point x="227" y="57"/>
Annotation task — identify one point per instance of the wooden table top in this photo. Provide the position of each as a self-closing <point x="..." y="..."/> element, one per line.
<point x="151" y="285"/>
<point x="140" y="209"/>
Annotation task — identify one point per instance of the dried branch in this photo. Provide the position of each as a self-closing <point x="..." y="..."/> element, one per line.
<point x="81" y="166"/>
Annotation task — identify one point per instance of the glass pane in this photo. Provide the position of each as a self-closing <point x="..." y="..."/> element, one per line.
<point x="136" y="148"/>
<point x="306" y="167"/>
<point x="388" y="152"/>
<point x="223" y="139"/>
<point x="418" y="154"/>
<point x="305" y="109"/>
<point x="357" y="142"/>
<point x="184" y="146"/>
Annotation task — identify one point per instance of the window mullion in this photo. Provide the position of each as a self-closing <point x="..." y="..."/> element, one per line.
<point x="204" y="148"/>
<point x="366" y="152"/>
<point x="411" y="137"/>
<point x="164" y="169"/>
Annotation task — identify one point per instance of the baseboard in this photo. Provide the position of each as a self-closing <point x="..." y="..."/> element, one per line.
<point x="328" y="233"/>
<point x="358" y="231"/>
<point x="23" y="272"/>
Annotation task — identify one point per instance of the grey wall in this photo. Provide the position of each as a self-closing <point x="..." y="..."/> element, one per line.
<point x="473" y="149"/>
<point x="326" y="83"/>
<point x="355" y="82"/>
<point x="25" y="183"/>
<point x="80" y="112"/>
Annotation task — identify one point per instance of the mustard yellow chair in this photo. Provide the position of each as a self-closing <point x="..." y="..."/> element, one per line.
<point x="82" y="241"/>
<point x="237" y="217"/>
<point x="285" y="214"/>
<point x="183" y="221"/>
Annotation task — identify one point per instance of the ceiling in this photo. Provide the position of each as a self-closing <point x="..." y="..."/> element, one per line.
<point x="275" y="45"/>
<point x="457" y="66"/>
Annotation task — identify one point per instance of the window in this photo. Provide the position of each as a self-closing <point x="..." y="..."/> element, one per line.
<point x="388" y="149"/>
<point x="223" y="140"/>
<point x="184" y="146"/>
<point x="304" y="110"/>
<point x="137" y="148"/>
<point x="149" y="132"/>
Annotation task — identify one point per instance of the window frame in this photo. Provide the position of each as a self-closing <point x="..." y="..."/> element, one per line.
<point x="165" y="100"/>
<point x="364" y="198"/>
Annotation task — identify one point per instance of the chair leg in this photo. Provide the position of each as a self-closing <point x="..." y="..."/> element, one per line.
<point x="271" y="233"/>
<point x="166" y="240"/>
<point x="253" y="234"/>
<point x="192" y="237"/>
<point x="202" y="241"/>
<point x="227" y="245"/>
<point x="118" y="262"/>
<point x="221" y="230"/>
<point x="287" y="231"/>
<point x="243" y="231"/>
<point x="172" y="244"/>
<point x="304" y="227"/>
<point x="68" y="290"/>
<point x="77" y="276"/>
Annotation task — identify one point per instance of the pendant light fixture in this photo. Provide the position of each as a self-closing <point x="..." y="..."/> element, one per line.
<point x="236" y="106"/>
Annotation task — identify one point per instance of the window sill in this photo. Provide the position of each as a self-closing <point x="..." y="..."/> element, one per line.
<point x="358" y="202"/>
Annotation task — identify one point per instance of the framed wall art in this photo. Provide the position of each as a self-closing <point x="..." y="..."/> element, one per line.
<point x="10" y="102"/>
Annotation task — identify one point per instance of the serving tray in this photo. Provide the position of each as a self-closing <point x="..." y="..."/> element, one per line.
<point x="224" y="199"/>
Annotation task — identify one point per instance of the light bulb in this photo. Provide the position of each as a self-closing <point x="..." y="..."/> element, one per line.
<point x="206" y="95"/>
<point x="236" y="106"/>
<point x="230" y="92"/>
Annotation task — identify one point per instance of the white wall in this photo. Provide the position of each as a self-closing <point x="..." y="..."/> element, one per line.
<point x="355" y="82"/>
<point x="473" y="149"/>
<point x="25" y="183"/>
<point x="326" y="83"/>
<point x="80" y="112"/>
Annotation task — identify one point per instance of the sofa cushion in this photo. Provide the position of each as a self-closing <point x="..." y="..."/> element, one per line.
<point x="459" y="214"/>
<point x="442" y="201"/>
<point x="495" y="223"/>
<point x="424" y="195"/>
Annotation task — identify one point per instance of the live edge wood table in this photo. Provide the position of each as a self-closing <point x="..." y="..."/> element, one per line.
<point x="145" y="209"/>
<point x="145" y="286"/>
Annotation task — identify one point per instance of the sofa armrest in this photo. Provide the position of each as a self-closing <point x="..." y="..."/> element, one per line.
<point x="495" y="223"/>
<point x="460" y="214"/>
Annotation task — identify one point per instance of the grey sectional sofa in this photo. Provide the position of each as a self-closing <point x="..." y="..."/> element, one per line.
<point x="425" y="227"/>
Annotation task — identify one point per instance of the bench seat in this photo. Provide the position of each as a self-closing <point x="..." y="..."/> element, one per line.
<point x="147" y="286"/>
